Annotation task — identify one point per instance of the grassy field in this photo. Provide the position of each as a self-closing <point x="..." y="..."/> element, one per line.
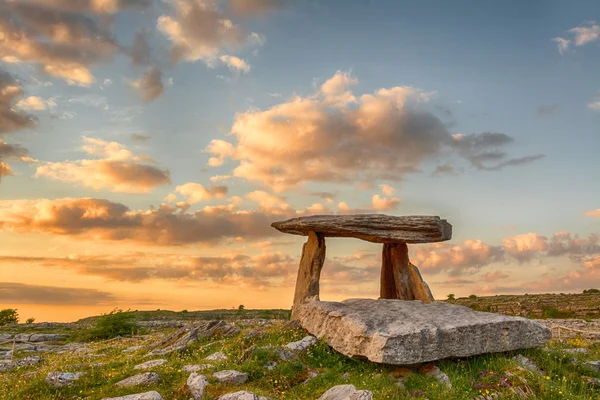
<point x="565" y="376"/>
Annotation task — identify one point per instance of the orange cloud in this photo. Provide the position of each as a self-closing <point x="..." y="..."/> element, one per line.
<point x="455" y="259"/>
<point x="118" y="171"/>
<point x="593" y="213"/>
<point x="195" y="192"/>
<point x="526" y="246"/>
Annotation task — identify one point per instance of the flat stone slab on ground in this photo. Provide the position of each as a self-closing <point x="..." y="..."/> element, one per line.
<point x="151" y="364"/>
<point x="408" y="332"/>
<point x="152" y="395"/>
<point x="146" y="378"/>
<point x="231" y="376"/>
<point x="346" y="392"/>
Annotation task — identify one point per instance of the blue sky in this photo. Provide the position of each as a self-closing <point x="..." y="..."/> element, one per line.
<point x="474" y="67"/>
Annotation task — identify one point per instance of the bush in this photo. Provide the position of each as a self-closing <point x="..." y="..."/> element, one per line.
<point x="451" y="296"/>
<point x="241" y="307"/>
<point x="116" y="323"/>
<point x="473" y="296"/>
<point x="9" y="316"/>
<point x="30" y="320"/>
<point x="591" y="291"/>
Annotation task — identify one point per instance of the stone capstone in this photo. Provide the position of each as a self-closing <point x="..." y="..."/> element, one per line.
<point x="376" y="228"/>
<point x="409" y="332"/>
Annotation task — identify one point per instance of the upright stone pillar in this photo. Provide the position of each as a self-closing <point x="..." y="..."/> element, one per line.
<point x="309" y="273"/>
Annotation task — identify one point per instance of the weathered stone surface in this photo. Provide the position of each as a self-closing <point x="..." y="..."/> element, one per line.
<point x="527" y="364"/>
<point x="151" y="364"/>
<point x="346" y="392"/>
<point x="231" y="376"/>
<point x="437" y="374"/>
<point x="46" y="337"/>
<point x="303" y="344"/>
<point x="152" y="395"/>
<point x="196" y="383"/>
<point x="132" y="349"/>
<point x="408" y="332"/>
<point x="60" y="379"/>
<point x="196" y="367"/>
<point x="377" y="228"/>
<point x="309" y="272"/>
<point x="242" y="395"/>
<point x="218" y="356"/>
<point x="595" y="365"/>
<point x="146" y="378"/>
<point x="400" y="279"/>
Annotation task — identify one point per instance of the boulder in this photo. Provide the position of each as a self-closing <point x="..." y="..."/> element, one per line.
<point x="346" y="392"/>
<point x="376" y="228"/>
<point x="242" y="395"/>
<point x="46" y="337"/>
<point x="152" y="395"/>
<point x="60" y="379"/>
<point x="146" y="378"/>
<point x="151" y="364"/>
<point x="409" y="332"/>
<point x="303" y="344"/>
<point x="196" y="383"/>
<point x="231" y="376"/>
<point x="195" y="367"/>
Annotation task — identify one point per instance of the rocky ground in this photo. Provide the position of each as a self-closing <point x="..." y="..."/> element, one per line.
<point x="248" y="359"/>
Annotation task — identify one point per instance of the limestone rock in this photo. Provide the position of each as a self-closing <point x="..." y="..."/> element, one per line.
<point x="303" y="344"/>
<point x="408" y="332"/>
<point x="231" y="376"/>
<point x="346" y="392"/>
<point x="242" y="395"/>
<point x="400" y="279"/>
<point x="595" y="365"/>
<point x="146" y="378"/>
<point x="151" y="364"/>
<point x="437" y="374"/>
<point x="376" y="228"/>
<point x="152" y="395"/>
<point x="46" y="337"/>
<point x="309" y="271"/>
<point x="218" y="356"/>
<point x="196" y="367"/>
<point x="197" y="383"/>
<point x="527" y="364"/>
<point x="60" y="379"/>
<point x="132" y="349"/>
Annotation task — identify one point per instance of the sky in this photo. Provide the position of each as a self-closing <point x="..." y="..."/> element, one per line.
<point x="147" y="145"/>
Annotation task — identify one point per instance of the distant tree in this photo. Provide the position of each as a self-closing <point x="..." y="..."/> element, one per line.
<point x="451" y="296"/>
<point x="241" y="307"/>
<point x="591" y="291"/>
<point x="30" y="320"/>
<point x="9" y="316"/>
<point x="473" y="296"/>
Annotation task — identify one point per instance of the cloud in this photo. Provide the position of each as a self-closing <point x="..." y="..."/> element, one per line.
<point x="235" y="63"/>
<point x="526" y="246"/>
<point x="150" y="86"/>
<point x="444" y="169"/>
<point x="593" y="213"/>
<point x="494" y="276"/>
<point x="246" y="8"/>
<point x="327" y="196"/>
<point x="454" y="259"/>
<point x="384" y="203"/>
<point x="195" y="192"/>
<point x="387" y="190"/>
<point x="118" y="170"/>
<point x="335" y="89"/>
<point x="595" y="103"/>
<point x="106" y="220"/>
<point x="62" y="38"/>
<point x="199" y="31"/>
<point x="35" y="103"/>
<point x="219" y="178"/>
<point x="384" y="135"/>
<point x="548" y="110"/>
<point x="12" y="120"/>
<point x="139" y="137"/>
<point x="586" y="33"/>
<point x="20" y="293"/>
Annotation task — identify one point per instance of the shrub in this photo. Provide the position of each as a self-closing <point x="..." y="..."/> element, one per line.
<point x="9" y="316"/>
<point x="591" y="291"/>
<point x="451" y="296"/>
<point x="241" y="307"/>
<point x="473" y="296"/>
<point x="116" y="323"/>
<point x="30" y="320"/>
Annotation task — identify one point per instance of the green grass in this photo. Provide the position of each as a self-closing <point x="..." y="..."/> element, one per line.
<point x="470" y="377"/>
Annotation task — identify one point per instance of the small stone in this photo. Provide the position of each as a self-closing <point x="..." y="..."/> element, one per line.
<point x="437" y="374"/>
<point x="311" y="374"/>
<point x="218" y="356"/>
<point x="578" y="350"/>
<point x="152" y="395"/>
<point x="527" y="364"/>
<point x="270" y="365"/>
<point x="196" y="384"/>
<point x="146" y="378"/>
<point x="132" y="349"/>
<point x="231" y="376"/>
<point x="196" y="367"/>
<point x="346" y="392"/>
<point x="151" y="364"/>
<point x="593" y="364"/>
<point x="60" y="379"/>
<point x="242" y="395"/>
<point x="303" y="344"/>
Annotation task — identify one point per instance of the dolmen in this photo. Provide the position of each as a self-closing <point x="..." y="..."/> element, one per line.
<point x="405" y="325"/>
